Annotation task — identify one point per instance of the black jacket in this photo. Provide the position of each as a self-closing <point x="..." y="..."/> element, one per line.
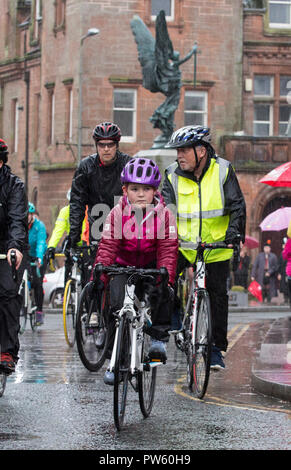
<point x="234" y="201"/>
<point x="94" y="185"/>
<point x="13" y="212"/>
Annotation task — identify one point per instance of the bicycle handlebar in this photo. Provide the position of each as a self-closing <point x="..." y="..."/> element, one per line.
<point x="130" y="270"/>
<point x="201" y="246"/>
<point x="13" y="264"/>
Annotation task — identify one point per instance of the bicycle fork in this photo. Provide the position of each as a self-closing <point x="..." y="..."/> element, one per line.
<point x="199" y="284"/>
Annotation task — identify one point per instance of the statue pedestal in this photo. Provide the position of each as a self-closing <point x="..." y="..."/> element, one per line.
<point x="163" y="157"/>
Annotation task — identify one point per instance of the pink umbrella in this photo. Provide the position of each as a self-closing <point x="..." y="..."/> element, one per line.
<point x="276" y="221"/>
<point x="280" y="176"/>
<point x="251" y="242"/>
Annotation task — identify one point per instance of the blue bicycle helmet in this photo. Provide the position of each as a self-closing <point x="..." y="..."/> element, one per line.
<point x="188" y="136"/>
<point x="31" y="208"/>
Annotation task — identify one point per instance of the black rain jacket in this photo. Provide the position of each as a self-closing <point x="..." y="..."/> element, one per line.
<point x="94" y="184"/>
<point x="13" y="212"/>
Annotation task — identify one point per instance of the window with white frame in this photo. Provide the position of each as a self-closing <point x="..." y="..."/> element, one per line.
<point x="51" y="117"/>
<point x="37" y="18"/>
<point x="195" y="108"/>
<point x="166" y="5"/>
<point x="263" y="105"/>
<point x="285" y="104"/>
<point x="15" y="120"/>
<point x="124" y="112"/>
<point x="280" y="13"/>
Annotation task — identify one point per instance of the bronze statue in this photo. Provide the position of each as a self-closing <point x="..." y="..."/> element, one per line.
<point x="160" y="69"/>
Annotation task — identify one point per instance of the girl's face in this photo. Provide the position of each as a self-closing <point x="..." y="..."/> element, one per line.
<point x="139" y="195"/>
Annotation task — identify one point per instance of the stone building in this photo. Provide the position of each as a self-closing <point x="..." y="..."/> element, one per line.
<point x="241" y="89"/>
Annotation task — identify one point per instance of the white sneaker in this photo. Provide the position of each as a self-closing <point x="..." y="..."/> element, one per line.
<point x="93" y="319"/>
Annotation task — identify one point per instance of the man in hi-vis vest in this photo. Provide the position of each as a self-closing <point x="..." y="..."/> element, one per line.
<point x="209" y="204"/>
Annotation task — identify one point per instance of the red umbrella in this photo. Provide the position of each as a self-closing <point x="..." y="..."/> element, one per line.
<point x="251" y="242"/>
<point x="280" y="176"/>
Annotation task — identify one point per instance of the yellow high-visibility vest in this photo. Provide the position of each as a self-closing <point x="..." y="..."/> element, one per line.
<point x="204" y="200"/>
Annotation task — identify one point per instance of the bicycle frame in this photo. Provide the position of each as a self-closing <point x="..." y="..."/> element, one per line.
<point x="136" y="331"/>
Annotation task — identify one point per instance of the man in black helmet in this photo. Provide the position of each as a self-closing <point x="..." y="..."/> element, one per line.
<point x="96" y="182"/>
<point x="13" y="238"/>
<point x="209" y="204"/>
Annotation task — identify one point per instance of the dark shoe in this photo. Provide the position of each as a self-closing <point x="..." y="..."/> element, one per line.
<point x="157" y="351"/>
<point x="39" y="318"/>
<point x="109" y="378"/>
<point x="7" y="363"/>
<point x="216" y="359"/>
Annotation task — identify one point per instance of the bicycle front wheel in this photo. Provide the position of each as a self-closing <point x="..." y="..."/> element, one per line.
<point x="121" y="372"/>
<point x="146" y="380"/>
<point x="23" y="313"/>
<point x="202" y="345"/>
<point x="91" y="336"/>
<point x="69" y="309"/>
<point x="3" y="379"/>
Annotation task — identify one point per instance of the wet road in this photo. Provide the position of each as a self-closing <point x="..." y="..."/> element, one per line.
<point x="53" y="402"/>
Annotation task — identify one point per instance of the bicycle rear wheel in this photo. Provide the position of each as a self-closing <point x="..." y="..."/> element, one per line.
<point x="3" y="379"/>
<point x="69" y="309"/>
<point x="202" y="347"/>
<point x="146" y="380"/>
<point x="121" y="372"/>
<point x="92" y="339"/>
<point x="32" y="318"/>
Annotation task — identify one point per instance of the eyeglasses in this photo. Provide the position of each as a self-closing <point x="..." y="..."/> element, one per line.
<point x="110" y="145"/>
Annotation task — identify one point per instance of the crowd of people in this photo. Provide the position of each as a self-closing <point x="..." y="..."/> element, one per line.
<point x="116" y="207"/>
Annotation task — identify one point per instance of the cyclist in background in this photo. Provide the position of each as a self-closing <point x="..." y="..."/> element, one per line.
<point x="140" y="231"/>
<point x="96" y="182"/>
<point x="13" y="236"/>
<point x="62" y="227"/>
<point x="37" y="248"/>
<point x="209" y="204"/>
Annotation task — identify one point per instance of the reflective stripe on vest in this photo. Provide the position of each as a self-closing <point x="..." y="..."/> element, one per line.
<point x="214" y="218"/>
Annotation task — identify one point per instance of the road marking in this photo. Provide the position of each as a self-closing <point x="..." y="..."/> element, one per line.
<point x="178" y="388"/>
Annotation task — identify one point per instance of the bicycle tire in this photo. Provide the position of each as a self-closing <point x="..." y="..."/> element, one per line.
<point x="202" y="352"/>
<point x="69" y="313"/>
<point x="3" y="380"/>
<point x="32" y="319"/>
<point x="146" y="380"/>
<point x="91" y="354"/>
<point x="22" y="313"/>
<point x="121" y="372"/>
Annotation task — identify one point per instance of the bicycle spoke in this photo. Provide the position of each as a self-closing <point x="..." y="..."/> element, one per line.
<point x="121" y="373"/>
<point x="201" y="357"/>
<point x="146" y="380"/>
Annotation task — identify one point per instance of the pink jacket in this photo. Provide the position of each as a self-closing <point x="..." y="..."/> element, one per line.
<point x="136" y="239"/>
<point x="286" y="253"/>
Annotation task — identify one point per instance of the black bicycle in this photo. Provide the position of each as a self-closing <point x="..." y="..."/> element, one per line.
<point x="195" y="337"/>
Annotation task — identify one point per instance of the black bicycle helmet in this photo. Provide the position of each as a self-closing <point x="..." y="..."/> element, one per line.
<point x="3" y="151"/>
<point x="107" y="130"/>
<point x="189" y="136"/>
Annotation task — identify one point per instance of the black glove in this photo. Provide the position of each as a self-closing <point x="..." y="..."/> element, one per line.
<point x="232" y="238"/>
<point x="50" y="253"/>
<point x="171" y="293"/>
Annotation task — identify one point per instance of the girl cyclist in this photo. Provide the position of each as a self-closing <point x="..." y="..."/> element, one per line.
<point x="141" y="231"/>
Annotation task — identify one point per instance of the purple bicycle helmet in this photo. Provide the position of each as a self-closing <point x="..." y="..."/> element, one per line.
<point x="142" y="171"/>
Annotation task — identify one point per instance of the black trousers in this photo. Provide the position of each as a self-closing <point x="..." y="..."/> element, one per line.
<point x="161" y="307"/>
<point x="37" y="275"/>
<point x="10" y="305"/>
<point x="216" y="282"/>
